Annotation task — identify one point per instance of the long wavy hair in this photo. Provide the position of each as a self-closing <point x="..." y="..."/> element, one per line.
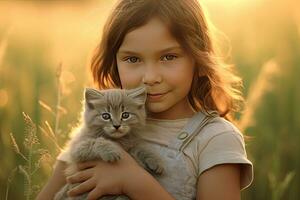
<point x="215" y="86"/>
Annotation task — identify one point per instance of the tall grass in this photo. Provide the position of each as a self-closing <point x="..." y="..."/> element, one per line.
<point x="269" y="71"/>
<point x="33" y="146"/>
<point x="3" y="45"/>
<point x="31" y="166"/>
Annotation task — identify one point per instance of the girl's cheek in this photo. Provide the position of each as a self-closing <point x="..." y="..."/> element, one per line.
<point x="130" y="78"/>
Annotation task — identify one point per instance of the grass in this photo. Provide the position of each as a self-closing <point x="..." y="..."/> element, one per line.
<point x="33" y="146"/>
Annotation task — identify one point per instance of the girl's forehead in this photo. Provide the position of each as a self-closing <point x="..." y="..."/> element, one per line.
<point x="154" y="35"/>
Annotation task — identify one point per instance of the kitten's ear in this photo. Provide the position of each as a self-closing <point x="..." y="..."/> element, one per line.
<point x="139" y="94"/>
<point x="91" y="96"/>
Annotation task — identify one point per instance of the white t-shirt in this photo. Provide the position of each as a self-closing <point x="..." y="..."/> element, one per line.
<point x="218" y="142"/>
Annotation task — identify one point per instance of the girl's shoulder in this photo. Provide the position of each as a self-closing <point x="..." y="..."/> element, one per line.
<point x="207" y="126"/>
<point x="217" y="126"/>
<point x="221" y="134"/>
<point x="219" y="142"/>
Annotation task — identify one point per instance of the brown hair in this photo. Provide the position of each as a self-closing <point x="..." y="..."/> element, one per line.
<point x="214" y="87"/>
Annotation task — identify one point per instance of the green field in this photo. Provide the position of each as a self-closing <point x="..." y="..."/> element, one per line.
<point x="260" y="37"/>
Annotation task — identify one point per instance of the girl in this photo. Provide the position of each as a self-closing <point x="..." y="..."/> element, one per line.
<point x="166" y="45"/>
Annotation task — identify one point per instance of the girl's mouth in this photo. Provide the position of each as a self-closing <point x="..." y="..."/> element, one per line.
<point x="155" y="96"/>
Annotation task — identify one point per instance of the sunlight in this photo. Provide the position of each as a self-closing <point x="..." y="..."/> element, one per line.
<point x="229" y="3"/>
<point x="38" y="21"/>
<point x="3" y="97"/>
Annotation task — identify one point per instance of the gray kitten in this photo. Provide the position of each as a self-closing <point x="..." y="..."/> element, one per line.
<point x="112" y="119"/>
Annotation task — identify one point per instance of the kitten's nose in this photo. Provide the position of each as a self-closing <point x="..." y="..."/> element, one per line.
<point x="117" y="126"/>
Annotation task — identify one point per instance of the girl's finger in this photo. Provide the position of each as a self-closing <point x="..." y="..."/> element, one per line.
<point x="95" y="194"/>
<point x="82" y="188"/>
<point x="88" y="164"/>
<point x="80" y="176"/>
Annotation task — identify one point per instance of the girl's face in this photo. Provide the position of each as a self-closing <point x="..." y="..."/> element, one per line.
<point x="151" y="55"/>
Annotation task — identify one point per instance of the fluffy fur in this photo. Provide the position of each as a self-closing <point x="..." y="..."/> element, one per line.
<point x="112" y="119"/>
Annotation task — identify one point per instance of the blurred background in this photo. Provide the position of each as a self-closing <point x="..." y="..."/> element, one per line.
<point x="45" y="47"/>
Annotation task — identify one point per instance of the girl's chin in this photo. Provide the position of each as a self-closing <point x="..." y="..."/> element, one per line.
<point x="155" y="108"/>
<point x="156" y="111"/>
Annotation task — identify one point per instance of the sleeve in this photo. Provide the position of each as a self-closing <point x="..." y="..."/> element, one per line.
<point x="64" y="156"/>
<point x="226" y="147"/>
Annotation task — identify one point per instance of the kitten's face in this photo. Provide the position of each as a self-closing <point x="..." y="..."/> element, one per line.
<point x="115" y="111"/>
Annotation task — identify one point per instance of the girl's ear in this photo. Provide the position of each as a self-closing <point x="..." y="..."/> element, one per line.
<point x="139" y="94"/>
<point x="91" y="96"/>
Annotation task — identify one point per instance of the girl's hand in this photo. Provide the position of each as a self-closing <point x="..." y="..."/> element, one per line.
<point x="101" y="178"/>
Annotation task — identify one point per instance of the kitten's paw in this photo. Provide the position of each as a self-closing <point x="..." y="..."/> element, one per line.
<point x="111" y="156"/>
<point x="107" y="150"/>
<point x="83" y="151"/>
<point x="154" y="166"/>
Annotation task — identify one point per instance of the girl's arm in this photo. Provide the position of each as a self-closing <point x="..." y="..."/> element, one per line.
<point x="122" y="177"/>
<point x="56" y="181"/>
<point x="148" y="189"/>
<point x="220" y="182"/>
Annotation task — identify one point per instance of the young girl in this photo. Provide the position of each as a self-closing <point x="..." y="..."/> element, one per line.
<point x="166" y="45"/>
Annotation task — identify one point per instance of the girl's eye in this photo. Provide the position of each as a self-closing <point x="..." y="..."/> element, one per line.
<point x="132" y="59"/>
<point x="125" y="115"/>
<point x="105" y="116"/>
<point x="169" y="57"/>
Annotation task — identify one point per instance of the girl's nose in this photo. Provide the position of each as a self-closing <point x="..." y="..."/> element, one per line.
<point x="152" y="75"/>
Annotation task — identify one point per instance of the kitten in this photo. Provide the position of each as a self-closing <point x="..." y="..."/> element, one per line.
<point x="112" y="119"/>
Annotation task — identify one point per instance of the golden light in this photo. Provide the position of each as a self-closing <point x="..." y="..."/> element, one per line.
<point x="68" y="28"/>
<point x="3" y="98"/>
<point x="228" y="3"/>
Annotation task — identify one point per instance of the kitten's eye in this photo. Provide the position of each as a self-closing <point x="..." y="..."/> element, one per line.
<point x="105" y="116"/>
<point x="125" y="115"/>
